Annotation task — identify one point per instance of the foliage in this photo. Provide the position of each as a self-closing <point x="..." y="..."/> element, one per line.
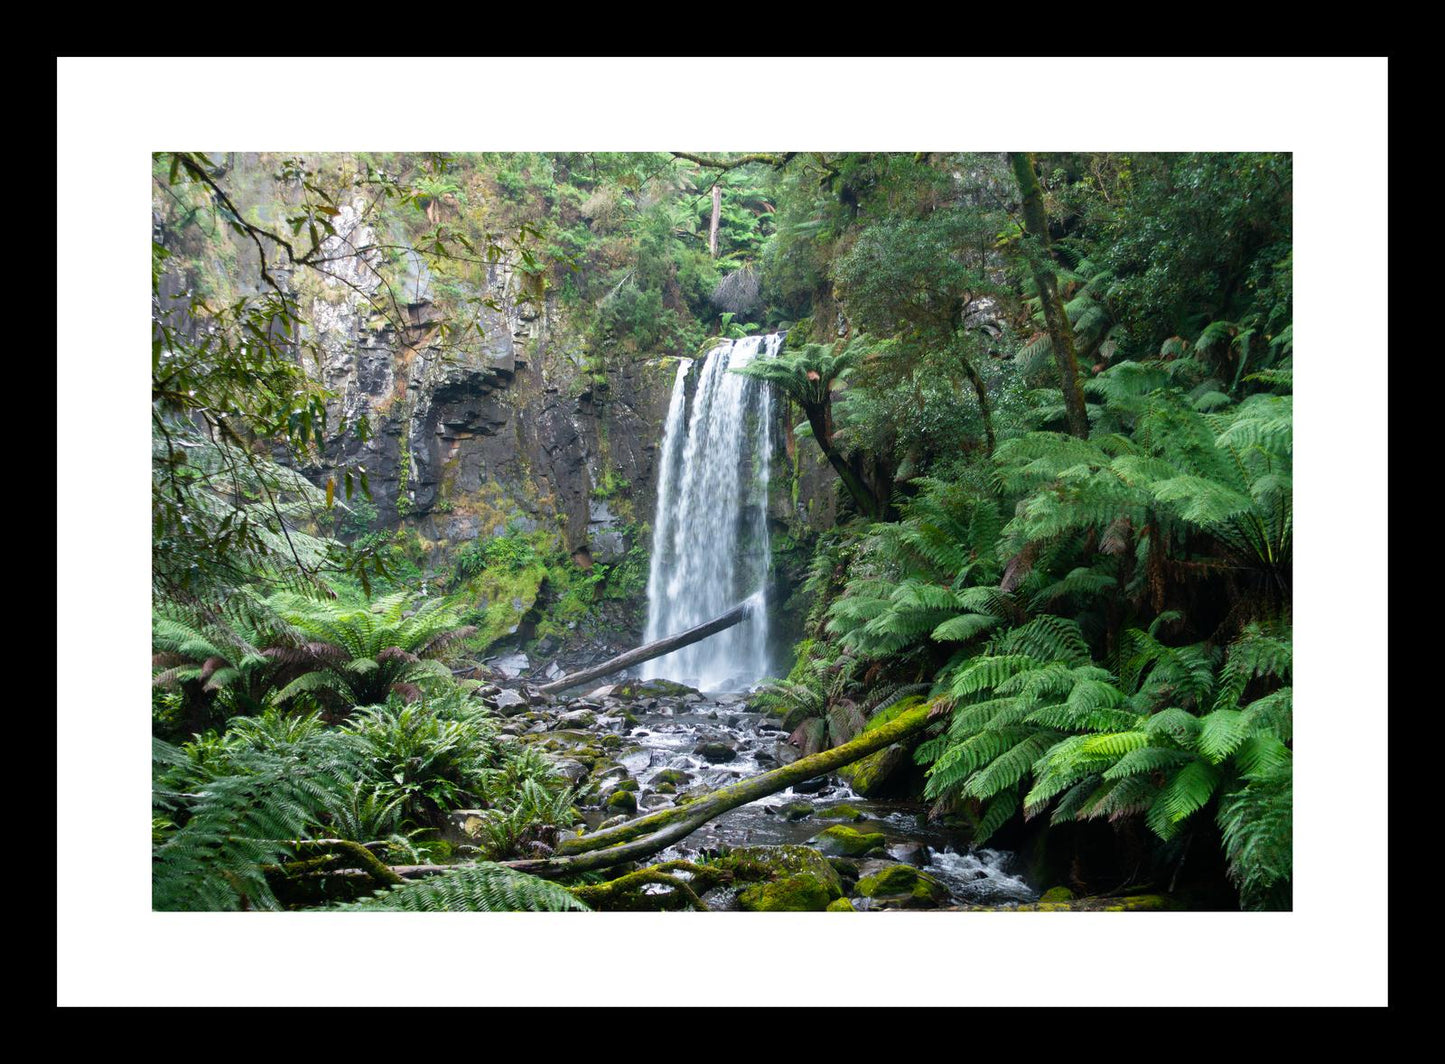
<point x="358" y="655"/>
<point x="482" y="887"/>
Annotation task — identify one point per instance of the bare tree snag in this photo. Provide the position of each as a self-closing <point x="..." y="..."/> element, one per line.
<point x="648" y="651"/>
<point x="716" y="217"/>
<point x="648" y="834"/>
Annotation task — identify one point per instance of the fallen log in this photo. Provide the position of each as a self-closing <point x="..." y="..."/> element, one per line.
<point x="648" y="834"/>
<point x="655" y="649"/>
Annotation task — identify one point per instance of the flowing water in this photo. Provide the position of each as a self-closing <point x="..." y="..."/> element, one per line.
<point x="669" y="732"/>
<point x="710" y="532"/>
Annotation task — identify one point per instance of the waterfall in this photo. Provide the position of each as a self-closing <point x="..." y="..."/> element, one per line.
<point x="710" y="532"/>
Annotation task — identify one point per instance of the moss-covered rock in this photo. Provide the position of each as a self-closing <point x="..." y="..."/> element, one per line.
<point x="622" y="801"/>
<point x="839" y="841"/>
<point x="796" y="810"/>
<point x="627" y="785"/>
<point x="841" y="905"/>
<point x="841" y="812"/>
<point x="788" y="878"/>
<point x="1056" y="894"/>
<point x="903" y="886"/>
<point x="651" y="689"/>
<point x="665" y="788"/>
<point x="674" y="776"/>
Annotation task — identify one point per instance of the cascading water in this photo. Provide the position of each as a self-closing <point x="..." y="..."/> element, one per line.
<point x="710" y="533"/>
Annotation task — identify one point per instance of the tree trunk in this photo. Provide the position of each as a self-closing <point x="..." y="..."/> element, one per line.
<point x="1061" y="335"/>
<point x="716" y="216"/>
<point x="648" y="651"/>
<point x="820" y="420"/>
<point x="648" y="834"/>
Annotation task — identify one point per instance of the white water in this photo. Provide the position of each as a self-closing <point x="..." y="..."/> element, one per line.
<point x="710" y="532"/>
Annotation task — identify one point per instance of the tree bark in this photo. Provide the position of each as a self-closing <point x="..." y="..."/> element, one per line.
<point x="716" y="217"/>
<point x="648" y="834"/>
<point x="1061" y="335"/>
<point x="648" y="651"/>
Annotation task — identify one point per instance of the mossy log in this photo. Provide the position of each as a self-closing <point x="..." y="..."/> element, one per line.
<point x="624" y="892"/>
<point x="648" y="651"/>
<point x="348" y="854"/>
<point x="646" y="835"/>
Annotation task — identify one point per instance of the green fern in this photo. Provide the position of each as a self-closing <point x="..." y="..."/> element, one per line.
<point x="482" y="887"/>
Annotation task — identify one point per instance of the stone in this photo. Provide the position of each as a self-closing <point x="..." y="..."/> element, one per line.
<point x="790" y="878"/>
<point x="621" y="802"/>
<point x="716" y="752"/>
<point x="508" y="702"/>
<point x="840" y="905"/>
<point x="574" y="772"/>
<point x="904" y="887"/>
<point x="846" y="842"/>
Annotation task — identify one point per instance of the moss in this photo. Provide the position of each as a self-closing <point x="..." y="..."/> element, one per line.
<point x="790" y="878"/>
<point x="611" y="742"/>
<point x="841" y="905"/>
<point x="801" y="893"/>
<point x="665" y="788"/>
<point x="673" y="776"/>
<point x="868" y="775"/>
<point x="651" y="689"/>
<point x="847" y="842"/>
<point x="622" y="801"/>
<point x="903" y="884"/>
<point x="1054" y="894"/>
<point x="796" y="810"/>
<point x="627" y="785"/>
<point x="841" y="812"/>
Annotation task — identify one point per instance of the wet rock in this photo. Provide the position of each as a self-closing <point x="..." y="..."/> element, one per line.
<point x="812" y="786"/>
<point x="798" y="879"/>
<point x="555" y="672"/>
<point x="841" y="812"/>
<point x="672" y="775"/>
<point x="633" y="689"/>
<point x="655" y="800"/>
<point x="902" y="886"/>
<point x="621" y="802"/>
<point x="716" y="752"/>
<point x="574" y="772"/>
<point x="579" y="718"/>
<point x="636" y="761"/>
<point x="612" y="822"/>
<point x="840" y="905"/>
<point x="508" y="702"/>
<point x="796" y="811"/>
<point x="846" y="842"/>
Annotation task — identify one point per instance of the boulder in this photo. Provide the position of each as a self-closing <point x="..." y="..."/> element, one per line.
<point x="902" y="886"/>
<point x="787" y="878"/>
<point x="715" y="751"/>
<point x="839" y="841"/>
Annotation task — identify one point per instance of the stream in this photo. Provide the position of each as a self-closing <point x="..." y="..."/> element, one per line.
<point x="693" y="733"/>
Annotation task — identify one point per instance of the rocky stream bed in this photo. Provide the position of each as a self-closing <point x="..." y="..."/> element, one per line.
<point x="635" y="748"/>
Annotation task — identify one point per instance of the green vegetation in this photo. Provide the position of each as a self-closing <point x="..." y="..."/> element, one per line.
<point x="1055" y="389"/>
